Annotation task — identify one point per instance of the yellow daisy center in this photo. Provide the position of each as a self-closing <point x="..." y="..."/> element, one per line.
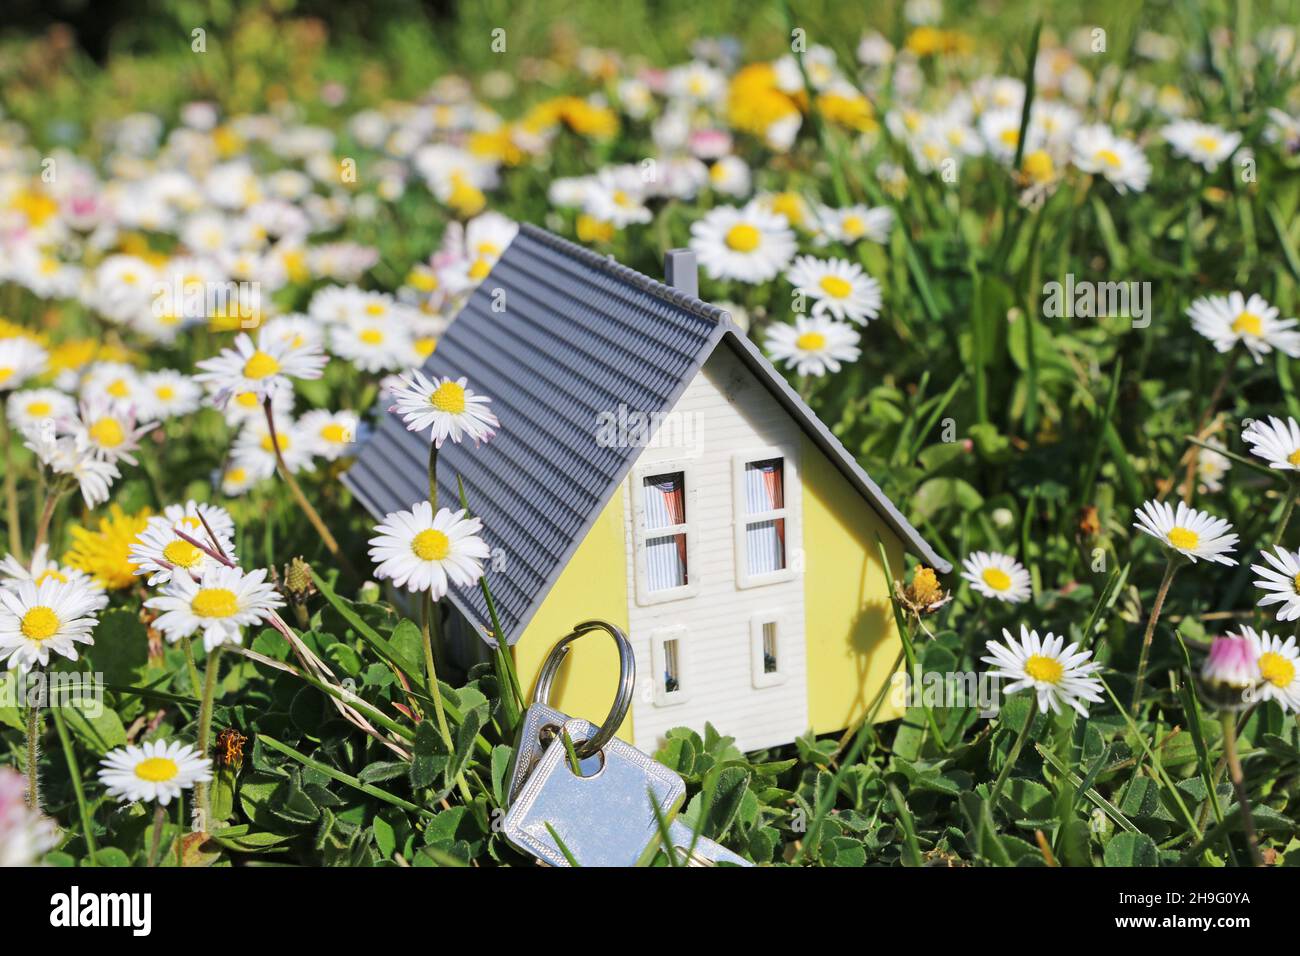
<point x="1293" y="459"/>
<point x="1042" y="668"/>
<point x="834" y="285"/>
<point x="810" y="341"/>
<point x="1208" y="143"/>
<point x="53" y="574"/>
<point x="107" y="432"/>
<point x="1184" y="538"/>
<point x="1295" y="583"/>
<point x="39" y="624"/>
<point x="853" y="226"/>
<point x="214" y="602"/>
<point x="1107" y="156"/>
<point x="431" y="545"/>
<point x="165" y="392"/>
<point x="39" y="409"/>
<point x="371" y="336"/>
<point x="236" y="476"/>
<point x="488" y="249"/>
<point x="280" y="439"/>
<point x="1248" y="323"/>
<point x="246" y="400"/>
<point x="480" y="269"/>
<point x="5" y="373"/>
<point x="1276" y="669"/>
<point x="743" y="238"/>
<point x="376" y="308"/>
<point x="1039" y="167"/>
<point x="157" y="769"/>
<point x="182" y="554"/>
<point x="996" y="578"/>
<point x="260" y="365"/>
<point x="448" y="397"/>
<point x="424" y="347"/>
<point x="1009" y="136"/>
<point x="119" y="388"/>
<point x="334" y="432"/>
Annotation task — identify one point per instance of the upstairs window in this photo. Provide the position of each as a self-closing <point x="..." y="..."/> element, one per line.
<point x="662" y="515"/>
<point x="762" y="496"/>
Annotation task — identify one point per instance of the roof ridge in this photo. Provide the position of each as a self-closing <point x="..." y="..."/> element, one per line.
<point x="638" y="280"/>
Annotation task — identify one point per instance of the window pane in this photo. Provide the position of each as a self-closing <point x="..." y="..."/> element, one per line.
<point x="672" y="672"/>
<point x="665" y="500"/>
<point x="769" y="647"/>
<point x="764" y="486"/>
<point x="765" y="546"/>
<point x="665" y="562"/>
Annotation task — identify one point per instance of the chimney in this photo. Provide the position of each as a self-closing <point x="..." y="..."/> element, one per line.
<point x="681" y="272"/>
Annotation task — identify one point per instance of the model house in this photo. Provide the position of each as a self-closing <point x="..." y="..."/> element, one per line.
<point x="654" y="470"/>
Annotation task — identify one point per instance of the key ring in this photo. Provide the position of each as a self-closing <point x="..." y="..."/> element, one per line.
<point x="626" y="681"/>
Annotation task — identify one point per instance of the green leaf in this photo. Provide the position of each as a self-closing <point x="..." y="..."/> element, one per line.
<point x="1131" y="849"/>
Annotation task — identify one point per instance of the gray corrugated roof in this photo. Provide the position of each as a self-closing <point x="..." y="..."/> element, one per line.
<point x="579" y="335"/>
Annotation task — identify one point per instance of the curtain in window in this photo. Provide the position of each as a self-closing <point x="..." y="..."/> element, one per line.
<point x="764" y="540"/>
<point x="665" y="556"/>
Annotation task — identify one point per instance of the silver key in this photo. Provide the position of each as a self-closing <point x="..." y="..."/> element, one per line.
<point x="540" y="725"/>
<point x="705" y="852"/>
<point x="604" y="819"/>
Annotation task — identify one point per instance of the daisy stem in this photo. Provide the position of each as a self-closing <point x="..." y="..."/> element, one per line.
<point x="306" y="507"/>
<point x="1189" y="486"/>
<point x="155" y="838"/>
<point x="1229" y="721"/>
<point x="1292" y="488"/>
<point x="1170" y="569"/>
<point x="180" y="828"/>
<point x="196" y="688"/>
<point x="428" y="625"/>
<point x="52" y="498"/>
<point x="11" y="494"/>
<point x="205" y="726"/>
<point x="74" y="772"/>
<point x="433" y="476"/>
<point x="34" y="727"/>
<point x="1012" y="757"/>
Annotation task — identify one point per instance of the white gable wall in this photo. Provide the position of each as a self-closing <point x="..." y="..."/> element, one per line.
<point x="726" y="414"/>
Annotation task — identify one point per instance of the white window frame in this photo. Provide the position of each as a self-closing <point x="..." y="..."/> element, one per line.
<point x="759" y="677"/>
<point x="640" y="534"/>
<point x="790" y="513"/>
<point x="659" y="639"/>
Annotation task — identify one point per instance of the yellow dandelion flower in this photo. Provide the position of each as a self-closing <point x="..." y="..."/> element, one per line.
<point x="852" y="112"/>
<point x="591" y="229"/>
<point x="499" y="144"/>
<point x="105" y="553"/>
<point x="12" y="330"/>
<point x="755" y="102"/>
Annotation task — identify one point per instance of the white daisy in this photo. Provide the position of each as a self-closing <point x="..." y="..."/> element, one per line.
<point x="838" y="287"/>
<point x="371" y="345"/>
<point x="236" y="479"/>
<point x="1096" y="149"/>
<point x="1191" y="533"/>
<point x="814" y="345"/>
<point x="167" y="394"/>
<point x="64" y="455"/>
<point x="26" y="835"/>
<point x="41" y="569"/>
<point x="20" y="359"/>
<point x="108" y="431"/>
<point x="1230" y="669"/>
<point x="247" y="406"/>
<point x="263" y="369"/>
<point x="1201" y="142"/>
<point x="156" y="770"/>
<point x="36" y="619"/>
<point x="730" y="176"/>
<point x="31" y="408"/>
<point x="160" y="552"/>
<point x="617" y="197"/>
<point x="451" y="409"/>
<point x="996" y="575"/>
<point x="749" y="245"/>
<point x="332" y="434"/>
<point x="852" y="223"/>
<point x="421" y="551"/>
<point x="1227" y="320"/>
<point x="1055" y="673"/>
<point x="1276" y="441"/>
<point x="1001" y="131"/>
<point x="220" y="605"/>
<point x="114" y="384"/>
<point x="1278" y="665"/>
<point x="254" y="451"/>
<point x="1211" y="468"/>
<point x="295" y="331"/>
<point x="1281" y="581"/>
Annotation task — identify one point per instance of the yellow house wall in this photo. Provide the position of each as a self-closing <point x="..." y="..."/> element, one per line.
<point x="594" y="585"/>
<point x="851" y="636"/>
